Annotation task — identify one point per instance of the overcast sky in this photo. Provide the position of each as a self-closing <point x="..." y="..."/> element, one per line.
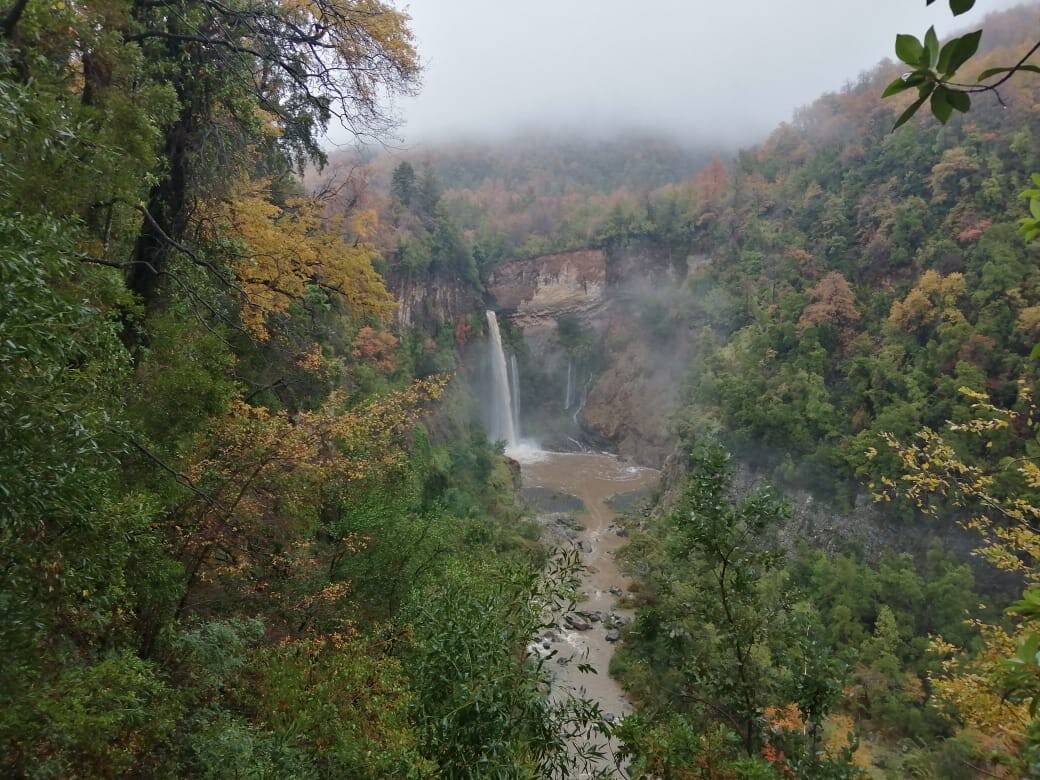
<point x="716" y="70"/>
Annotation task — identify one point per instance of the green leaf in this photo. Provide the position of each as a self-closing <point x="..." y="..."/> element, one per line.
<point x="991" y="72"/>
<point x="904" y="83"/>
<point x="895" y="87"/>
<point x="961" y="6"/>
<point x="910" y="50"/>
<point x="965" y="49"/>
<point x="910" y="111"/>
<point x="959" y="100"/>
<point x="931" y="45"/>
<point x="941" y="107"/>
<point x="943" y="66"/>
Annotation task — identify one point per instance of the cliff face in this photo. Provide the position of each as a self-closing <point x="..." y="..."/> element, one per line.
<point x="427" y="302"/>
<point x="533" y="292"/>
<point x="626" y="388"/>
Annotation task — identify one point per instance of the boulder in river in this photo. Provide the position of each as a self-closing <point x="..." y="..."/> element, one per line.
<point x="613" y="635"/>
<point x="577" y="623"/>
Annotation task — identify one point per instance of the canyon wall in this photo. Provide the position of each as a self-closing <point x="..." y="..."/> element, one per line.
<point x="633" y="372"/>
<point x="430" y="301"/>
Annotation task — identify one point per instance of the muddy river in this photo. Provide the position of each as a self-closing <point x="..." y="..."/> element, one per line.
<point x="555" y="480"/>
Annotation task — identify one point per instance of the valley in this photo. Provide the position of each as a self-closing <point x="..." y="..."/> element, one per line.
<point x="483" y="391"/>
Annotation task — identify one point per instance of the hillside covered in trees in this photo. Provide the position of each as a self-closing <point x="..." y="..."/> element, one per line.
<point x="246" y="532"/>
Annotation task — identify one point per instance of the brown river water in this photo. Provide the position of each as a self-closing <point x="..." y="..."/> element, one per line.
<point x="593" y="478"/>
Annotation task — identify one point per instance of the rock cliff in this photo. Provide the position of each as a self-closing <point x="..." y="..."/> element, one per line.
<point x="629" y="373"/>
<point x="429" y="301"/>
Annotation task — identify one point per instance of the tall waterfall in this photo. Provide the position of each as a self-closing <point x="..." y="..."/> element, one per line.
<point x="514" y="378"/>
<point x="503" y="427"/>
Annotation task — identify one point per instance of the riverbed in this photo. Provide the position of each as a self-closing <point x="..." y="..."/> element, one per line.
<point x="593" y="479"/>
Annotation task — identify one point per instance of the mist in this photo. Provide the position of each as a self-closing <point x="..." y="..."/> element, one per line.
<point x="701" y="71"/>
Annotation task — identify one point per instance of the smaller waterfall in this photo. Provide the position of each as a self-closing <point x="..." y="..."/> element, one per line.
<point x="514" y="376"/>
<point x="568" y="398"/>
<point x="581" y="405"/>
<point x="501" y="428"/>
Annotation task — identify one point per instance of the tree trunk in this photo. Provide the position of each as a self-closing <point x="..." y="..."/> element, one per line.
<point x="12" y="17"/>
<point x="168" y="207"/>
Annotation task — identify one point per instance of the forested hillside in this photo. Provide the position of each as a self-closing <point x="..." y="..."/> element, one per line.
<point x="245" y="531"/>
<point x="866" y="319"/>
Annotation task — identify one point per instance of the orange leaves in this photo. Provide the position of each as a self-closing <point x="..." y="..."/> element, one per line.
<point x="376" y="346"/>
<point x="257" y="471"/>
<point x="832" y="303"/>
<point x="712" y="182"/>
<point x="786" y="718"/>
<point x="282" y="251"/>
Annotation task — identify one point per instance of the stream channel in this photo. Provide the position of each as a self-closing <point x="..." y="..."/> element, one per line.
<point x="574" y="495"/>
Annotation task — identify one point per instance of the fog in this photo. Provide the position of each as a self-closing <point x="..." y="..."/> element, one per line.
<point x="716" y="71"/>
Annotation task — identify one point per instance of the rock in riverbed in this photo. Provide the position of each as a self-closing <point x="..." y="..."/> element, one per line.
<point x="576" y="623"/>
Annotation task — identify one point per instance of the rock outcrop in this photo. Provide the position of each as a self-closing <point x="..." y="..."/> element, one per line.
<point x="534" y="291"/>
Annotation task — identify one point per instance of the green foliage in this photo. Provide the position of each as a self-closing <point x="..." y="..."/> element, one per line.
<point x="218" y="550"/>
<point x="483" y="711"/>
<point x="736" y="637"/>
<point x="105" y="719"/>
<point x="721" y="644"/>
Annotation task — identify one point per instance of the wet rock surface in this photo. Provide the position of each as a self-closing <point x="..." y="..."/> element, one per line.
<point x="548" y="500"/>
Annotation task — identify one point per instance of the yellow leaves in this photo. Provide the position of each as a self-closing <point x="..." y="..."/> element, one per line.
<point x="1029" y="321"/>
<point x="933" y="299"/>
<point x="312" y="360"/>
<point x="970" y="685"/>
<point x="839" y="730"/>
<point x="1008" y="524"/>
<point x="255" y="468"/>
<point x="282" y="251"/>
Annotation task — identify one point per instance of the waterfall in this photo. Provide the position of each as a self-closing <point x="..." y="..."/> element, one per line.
<point x="502" y="427"/>
<point x="581" y="405"/>
<point x="514" y="376"/>
<point x="568" y="398"/>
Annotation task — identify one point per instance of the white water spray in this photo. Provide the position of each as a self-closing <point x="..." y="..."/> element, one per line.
<point x="581" y="405"/>
<point x="514" y="378"/>
<point x="502" y="426"/>
<point x="568" y="399"/>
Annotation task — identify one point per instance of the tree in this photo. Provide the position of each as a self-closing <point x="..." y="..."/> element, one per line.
<point x="284" y="250"/>
<point x="297" y="67"/>
<point x="832" y="303"/>
<point x="402" y="184"/>
<point x="723" y="546"/>
<point x="995" y="691"/>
